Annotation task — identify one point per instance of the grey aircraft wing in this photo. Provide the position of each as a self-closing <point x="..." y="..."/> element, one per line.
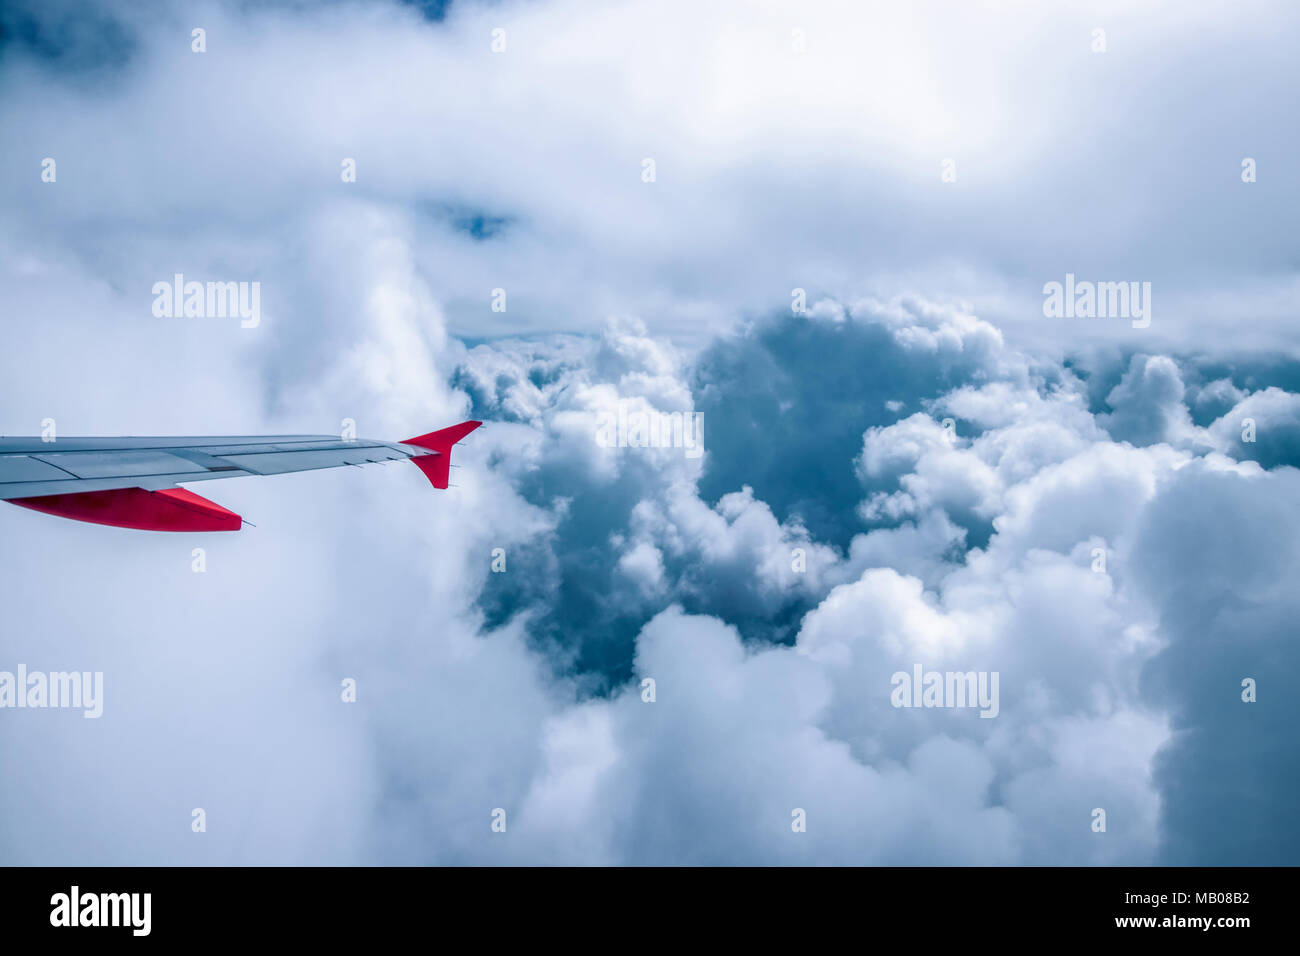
<point x="135" y="482"/>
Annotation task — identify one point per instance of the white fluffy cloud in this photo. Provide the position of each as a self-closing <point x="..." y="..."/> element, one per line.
<point x="456" y="719"/>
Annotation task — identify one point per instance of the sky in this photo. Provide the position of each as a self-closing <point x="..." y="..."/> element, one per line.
<point x="823" y="231"/>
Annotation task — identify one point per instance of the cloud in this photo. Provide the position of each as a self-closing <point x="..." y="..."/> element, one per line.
<point x="1150" y="404"/>
<point x="1215" y="553"/>
<point x="758" y="173"/>
<point x="1263" y="427"/>
<point x="513" y="679"/>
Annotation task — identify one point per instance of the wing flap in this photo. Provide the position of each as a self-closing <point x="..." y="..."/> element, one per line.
<point x="15" y="468"/>
<point x="118" y="464"/>
<point x="279" y="463"/>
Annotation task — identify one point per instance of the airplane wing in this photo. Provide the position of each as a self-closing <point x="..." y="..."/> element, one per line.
<point x="133" y="482"/>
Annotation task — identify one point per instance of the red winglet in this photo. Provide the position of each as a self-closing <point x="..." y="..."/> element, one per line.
<point x="171" y="509"/>
<point x="437" y="467"/>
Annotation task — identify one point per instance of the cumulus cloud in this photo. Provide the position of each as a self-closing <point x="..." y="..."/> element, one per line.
<point x="1149" y="404"/>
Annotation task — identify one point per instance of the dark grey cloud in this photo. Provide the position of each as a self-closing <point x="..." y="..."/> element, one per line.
<point x="70" y="38"/>
<point x="1217" y="554"/>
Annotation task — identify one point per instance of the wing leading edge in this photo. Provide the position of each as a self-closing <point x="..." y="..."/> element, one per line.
<point x="132" y="482"/>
